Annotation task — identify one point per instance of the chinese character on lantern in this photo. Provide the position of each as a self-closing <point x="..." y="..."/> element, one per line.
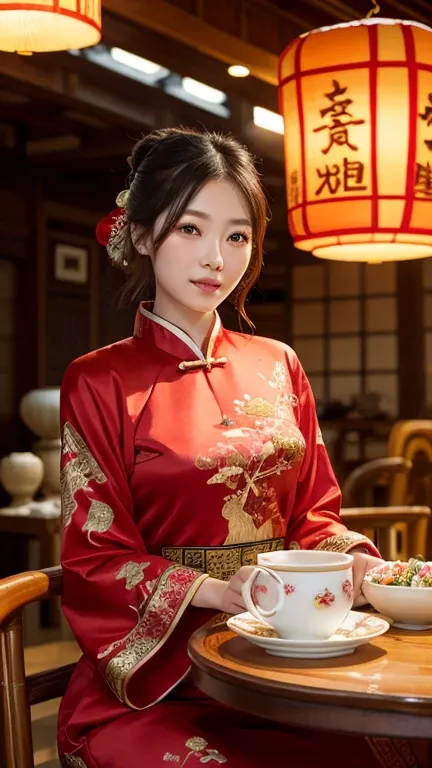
<point x="352" y="174"/>
<point x="294" y="188"/>
<point x="427" y="117"/>
<point x="423" y="179"/>
<point x="337" y="113"/>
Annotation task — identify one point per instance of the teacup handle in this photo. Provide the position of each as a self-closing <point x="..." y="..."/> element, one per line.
<point x="255" y="610"/>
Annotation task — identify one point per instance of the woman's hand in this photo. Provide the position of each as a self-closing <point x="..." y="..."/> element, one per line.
<point x="363" y="562"/>
<point x="224" y="596"/>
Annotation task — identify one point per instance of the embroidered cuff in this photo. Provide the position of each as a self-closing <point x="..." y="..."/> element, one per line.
<point x="347" y="541"/>
<point x="157" y="619"/>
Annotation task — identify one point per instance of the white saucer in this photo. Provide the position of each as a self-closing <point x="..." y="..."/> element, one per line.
<point x="357" y="629"/>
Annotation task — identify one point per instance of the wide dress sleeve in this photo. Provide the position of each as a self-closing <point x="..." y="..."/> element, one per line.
<point x="124" y="605"/>
<point x="315" y="521"/>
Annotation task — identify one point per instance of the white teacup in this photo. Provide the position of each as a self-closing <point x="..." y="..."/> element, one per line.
<point x="302" y="594"/>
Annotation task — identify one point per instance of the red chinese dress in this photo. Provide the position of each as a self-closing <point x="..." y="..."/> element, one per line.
<point x="176" y="466"/>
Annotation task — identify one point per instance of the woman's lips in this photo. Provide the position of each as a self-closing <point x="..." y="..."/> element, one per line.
<point x="206" y="286"/>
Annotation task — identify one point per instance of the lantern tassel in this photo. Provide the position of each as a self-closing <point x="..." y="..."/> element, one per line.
<point x="373" y="11"/>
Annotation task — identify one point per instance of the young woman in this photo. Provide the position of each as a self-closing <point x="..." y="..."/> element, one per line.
<point x="187" y="450"/>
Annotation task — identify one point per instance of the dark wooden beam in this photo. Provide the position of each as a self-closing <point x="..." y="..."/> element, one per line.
<point x="185" y="61"/>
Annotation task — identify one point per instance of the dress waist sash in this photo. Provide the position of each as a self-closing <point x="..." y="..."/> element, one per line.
<point x="221" y="562"/>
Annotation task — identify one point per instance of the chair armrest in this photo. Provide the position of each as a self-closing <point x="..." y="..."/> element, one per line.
<point x="24" y="588"/>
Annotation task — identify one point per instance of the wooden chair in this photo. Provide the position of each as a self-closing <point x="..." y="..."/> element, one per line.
<point x="358" y="489"/>
<point x="18" y="692"/>
<point x="378" y="523"/>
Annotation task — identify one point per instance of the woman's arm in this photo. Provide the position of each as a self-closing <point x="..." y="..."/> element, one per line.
<point x="123" y="604"/>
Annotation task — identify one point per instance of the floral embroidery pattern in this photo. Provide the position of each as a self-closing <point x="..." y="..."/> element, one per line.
<point x="342" y="543"/>
<point x="72" y="761"/>
<point x="347" y="589"/>
<point x="158" y="613"/>
<point x="99" y="518"/>
<point x="133" y="573"/>
<point x="76" y="475"/>
<point x="324" y="599"/>
<point x="289" y="589"/>
<point x="197" y="748"/>
<point x="264" y="442"/>
<point x="257" y="590"/>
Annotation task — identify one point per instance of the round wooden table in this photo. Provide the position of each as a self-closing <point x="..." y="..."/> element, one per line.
<point x="384" y="688"/>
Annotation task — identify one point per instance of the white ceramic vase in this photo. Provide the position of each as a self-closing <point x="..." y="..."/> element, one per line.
<point x="21" y="475"/>
<point x="40" y="412"/>
<point x="50" y="452"/>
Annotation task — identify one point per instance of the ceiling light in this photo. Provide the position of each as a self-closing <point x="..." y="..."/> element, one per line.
<point x="238" y="70"/>
<point x="271" y="121"/>
<point x="202" y="91"/>
<point x="135" y="62"/>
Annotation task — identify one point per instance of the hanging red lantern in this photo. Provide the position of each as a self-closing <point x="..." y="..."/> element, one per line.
<point x="35" y="26"/>
<point x="357" y="105"/>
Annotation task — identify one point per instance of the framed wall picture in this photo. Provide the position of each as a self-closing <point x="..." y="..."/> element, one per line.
<point x="70" y="263"/>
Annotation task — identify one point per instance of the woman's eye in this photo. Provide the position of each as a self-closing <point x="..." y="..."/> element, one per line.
<point x="239" y="237"/>
<point x="188" y="229"/>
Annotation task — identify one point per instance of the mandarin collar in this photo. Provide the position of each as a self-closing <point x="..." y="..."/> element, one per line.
<point x="175" y="341"/>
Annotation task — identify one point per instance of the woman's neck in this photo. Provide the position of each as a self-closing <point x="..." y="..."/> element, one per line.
<point x="196" y="324"/>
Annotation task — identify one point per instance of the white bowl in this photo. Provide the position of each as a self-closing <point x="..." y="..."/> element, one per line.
<point x="407" y="607"/>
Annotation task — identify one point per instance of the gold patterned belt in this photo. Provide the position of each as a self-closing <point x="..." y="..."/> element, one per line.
<point x="221" y="562"/>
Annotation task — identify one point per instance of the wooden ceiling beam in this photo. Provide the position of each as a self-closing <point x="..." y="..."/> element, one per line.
<point x="185" y="61"/>
<point x="189" y="29"/>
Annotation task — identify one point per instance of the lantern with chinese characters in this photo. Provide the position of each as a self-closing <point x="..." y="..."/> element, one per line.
<point x="34" y="26"/>
<point x="357" y="105"/>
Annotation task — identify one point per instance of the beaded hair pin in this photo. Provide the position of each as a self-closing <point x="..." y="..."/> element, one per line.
<point x="111" y="231"/>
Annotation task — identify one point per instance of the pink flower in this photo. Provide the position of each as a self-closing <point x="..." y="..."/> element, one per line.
<point x="289" y="589"/>
<point x="257" y="590"/>
<point x="324" y="599"/>
<point x="347" y="589"/>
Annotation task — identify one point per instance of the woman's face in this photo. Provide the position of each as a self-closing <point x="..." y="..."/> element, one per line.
<point x="205" y="256"/>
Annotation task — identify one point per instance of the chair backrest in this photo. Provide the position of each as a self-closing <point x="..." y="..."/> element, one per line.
<point x="18" y="692"/>
<point x="412" y="440"/>
<point x="378" y="523"/>
<point x="358" y="489"/>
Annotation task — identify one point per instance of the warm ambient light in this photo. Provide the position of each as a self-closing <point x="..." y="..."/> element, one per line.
<point x="35" y="26"/>
<point x="357" y="105"/>
<point x="203" y="91"/>
<point x="237" y="70"/>
<point x="135" y="62"/>
<point x="271" y="121"/>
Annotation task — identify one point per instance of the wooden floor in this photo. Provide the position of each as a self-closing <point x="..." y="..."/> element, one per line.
<point x="44" y="716"/>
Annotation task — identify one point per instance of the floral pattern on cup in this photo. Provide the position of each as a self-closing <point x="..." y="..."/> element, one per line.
<point x="324" y="599"/>
<point x="289" y="589"/>
<point x="257" y="590"/>
<point x="347" y="589"/>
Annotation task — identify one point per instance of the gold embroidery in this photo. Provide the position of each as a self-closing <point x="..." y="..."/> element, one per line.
<point x="133" y="573"/>
<point x="267" y="443"/>
<point x="197" y="745"/>
<point x="343" y="543"/>
<point x="393" y="753"/>
<point x="221" y="562"/>
<point x="157" y="617"/>
<point x="319" y="439"/>
<point x="77" y="473"/>
<point x="99" y="518"/>
<point x="72" y="761"/>
<point x="294" y="545"/>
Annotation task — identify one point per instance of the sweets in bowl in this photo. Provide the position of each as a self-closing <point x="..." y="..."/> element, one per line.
<point x="402" y="591"/>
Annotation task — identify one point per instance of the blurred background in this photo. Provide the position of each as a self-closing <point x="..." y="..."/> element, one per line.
<point x="68" y="121"/>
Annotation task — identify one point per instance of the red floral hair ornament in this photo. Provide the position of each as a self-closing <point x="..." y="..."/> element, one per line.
<point x="111" y="231"/>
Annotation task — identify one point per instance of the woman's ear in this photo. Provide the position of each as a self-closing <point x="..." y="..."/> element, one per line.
<point x="140" y="239"/>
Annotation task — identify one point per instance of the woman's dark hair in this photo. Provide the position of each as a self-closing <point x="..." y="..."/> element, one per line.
<point x="168" y="168"/>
